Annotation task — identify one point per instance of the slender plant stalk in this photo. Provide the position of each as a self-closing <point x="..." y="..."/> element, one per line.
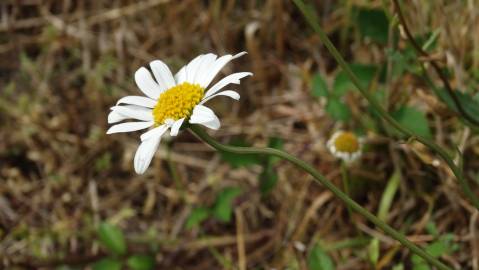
<point x="375" y="104"/>
<point x="321" y="179"/>
<point x="435" y="66"/>
<point x="345" y="179"/>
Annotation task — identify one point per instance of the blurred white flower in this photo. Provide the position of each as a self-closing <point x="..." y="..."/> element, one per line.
<point x="345" y="145"/>
<point x="172" y="100"/>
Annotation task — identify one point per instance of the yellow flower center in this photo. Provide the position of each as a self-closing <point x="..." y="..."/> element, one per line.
<point x="346" y="142"/>
<point x="177" y="102"/>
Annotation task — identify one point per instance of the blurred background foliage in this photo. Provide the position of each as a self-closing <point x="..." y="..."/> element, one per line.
<point x="69" y="198"/>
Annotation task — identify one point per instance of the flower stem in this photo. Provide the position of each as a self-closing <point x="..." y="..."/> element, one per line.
<point x="345" y="180"/>
<point x="379" y="109"/>
<point x="321" y="179"/>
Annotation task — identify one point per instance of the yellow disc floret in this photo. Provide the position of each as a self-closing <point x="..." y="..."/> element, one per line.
<point x="177" y="102"/>
<point x="346" y="142"/>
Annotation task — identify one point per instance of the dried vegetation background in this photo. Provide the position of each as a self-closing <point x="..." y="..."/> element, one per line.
<point x="64" y="63"/>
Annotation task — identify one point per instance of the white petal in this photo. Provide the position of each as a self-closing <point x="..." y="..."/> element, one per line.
<point x="239" y="55"/>
<point x="114" y="117"/>
<point x="146" y="83"/>
<point x="137" y="100"/>
<point x="129" y="126"/>
<point x="158" y="131"/>
<point x="162" y="75"/>
<point x="232" y="78"/>
<point x="180" y="76"/>
<point x="205" y="116"/>
<point x="213" y="124"/>
<point x="200" y="110"/>
<point x="175" y="128"/>
<point x="229" y="93"/>
<point x="169" y="122"/>
<point x="135" y="112"/>
<point x="124" y="113"/>
<point x="192" y="68"/>
<point x="202" y="70"/>
<point x="145" y="153"/>
<point x="214" y="68"/>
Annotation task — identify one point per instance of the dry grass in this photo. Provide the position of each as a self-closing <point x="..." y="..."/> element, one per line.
<point x="64" y="63"/>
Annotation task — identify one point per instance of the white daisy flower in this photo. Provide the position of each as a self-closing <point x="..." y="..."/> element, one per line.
<point x="345" y="146"/>
<point x="172" y="100"/>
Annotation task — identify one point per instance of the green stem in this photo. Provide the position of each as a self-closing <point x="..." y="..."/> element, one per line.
<point x="345" y="179"/>
<point x="321" y="179"/>
<point x="375" y="104"/>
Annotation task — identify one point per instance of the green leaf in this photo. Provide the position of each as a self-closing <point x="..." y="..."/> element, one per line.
<point x="338" y="110"/>
<point x="197" y="216"/>
<point x="414" y="120"/>
<point x="222" y="209"/>
<point x="275" y="143"/>
<point x="402" y="61"/>
<point x="373" y="251"/>
<point x="318" y="259"/>
<point x="469" y="103"/>
<point x="388" y="195"/>
<point x="342" y="84"/>
<point x="240" y="160"/>
<point x="268" y="177"/>
<point x="320" y="89"/>
<point x="431" y="42"/>
<point x="364" y="73"/>
<point x="267" y="180"/>
<point x="431" y="228"/>
<point x="436" y="249"/>
<point x="107" y="264"/>
<point x="141" y="262"/>
<point x="374" y="24"/>
<point x="112" y="238"/>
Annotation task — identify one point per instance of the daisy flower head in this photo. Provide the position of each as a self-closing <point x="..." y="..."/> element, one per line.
<point x="170" y="101"/>
<point x="345" y="146"/>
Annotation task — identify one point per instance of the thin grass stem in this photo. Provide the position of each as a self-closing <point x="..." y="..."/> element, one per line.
<point x="345" y="180"/>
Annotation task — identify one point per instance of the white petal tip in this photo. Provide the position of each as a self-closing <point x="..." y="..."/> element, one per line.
<point x="140" y="71"/>
<point x="214" y="125"/>
<point x="239" y="54"/>
<point x="140" y="170"/>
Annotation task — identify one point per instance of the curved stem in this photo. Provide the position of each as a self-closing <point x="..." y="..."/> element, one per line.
<point x="375" y="104"/>
<point x="321" y="179"/>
